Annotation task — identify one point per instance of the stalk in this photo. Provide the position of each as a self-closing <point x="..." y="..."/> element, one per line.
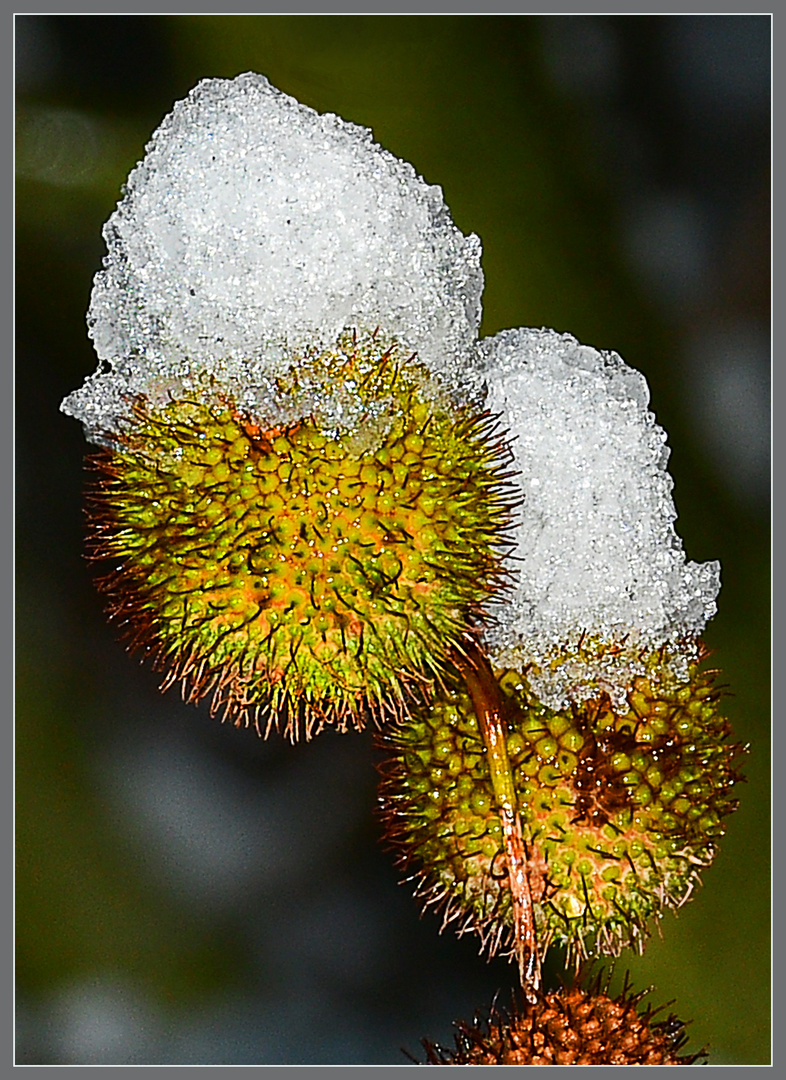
<point x="487" y="703"/>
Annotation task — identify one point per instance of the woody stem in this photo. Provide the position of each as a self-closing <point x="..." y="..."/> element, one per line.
<point x="487" y="702"/>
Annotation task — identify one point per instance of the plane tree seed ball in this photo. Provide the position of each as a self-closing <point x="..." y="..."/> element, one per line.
<point x="570" y="1026"/>
<point x="303" y="573"/>
<point x="620" y="807"/>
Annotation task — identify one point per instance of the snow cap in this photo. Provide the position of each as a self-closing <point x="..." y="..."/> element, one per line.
<point x="256" y="228"/>
<point x="597" y="564"/>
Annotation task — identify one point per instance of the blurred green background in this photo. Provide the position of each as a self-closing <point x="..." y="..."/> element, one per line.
<point x="188" y="894"/>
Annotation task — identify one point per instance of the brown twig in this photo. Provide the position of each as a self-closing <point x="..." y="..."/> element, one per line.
<point x="487" y="702"/>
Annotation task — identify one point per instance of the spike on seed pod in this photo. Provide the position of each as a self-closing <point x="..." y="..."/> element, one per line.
<point x="620" y="808"/>
<point x="570" y="1026"/>
<point x="303" y="574"/>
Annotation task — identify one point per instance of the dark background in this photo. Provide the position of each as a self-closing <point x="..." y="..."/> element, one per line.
<point x="189" y="894"/>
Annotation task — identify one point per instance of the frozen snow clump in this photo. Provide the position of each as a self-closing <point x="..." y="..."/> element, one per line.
<point x="256" y="228"/>
<point x="598" y="568"/>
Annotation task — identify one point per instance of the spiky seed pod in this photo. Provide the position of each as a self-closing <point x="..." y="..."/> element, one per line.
<point x="298" y="572"/>
<point x="620" y="809"/>
<point x="570" y="1026"/>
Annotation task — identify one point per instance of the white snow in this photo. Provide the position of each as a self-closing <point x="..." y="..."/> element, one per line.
<point x="597" y="560"/>
<point x="255" y="228"/>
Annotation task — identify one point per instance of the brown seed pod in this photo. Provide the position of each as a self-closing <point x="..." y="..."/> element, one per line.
<point x="570" y="1026"/>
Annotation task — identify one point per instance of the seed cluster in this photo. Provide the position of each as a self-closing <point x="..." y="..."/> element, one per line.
<point x="569" y="1027"/>
<point x="619" y="809"/>
<point x="297" y="572"/>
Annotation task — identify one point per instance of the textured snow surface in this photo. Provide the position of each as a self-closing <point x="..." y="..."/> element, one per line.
<point x="256" y="227"/>
<point x="596" y="552"/>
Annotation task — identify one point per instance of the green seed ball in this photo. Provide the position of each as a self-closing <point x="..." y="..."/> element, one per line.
<point x="297" y="576"/>
<point x="615" y="832"/>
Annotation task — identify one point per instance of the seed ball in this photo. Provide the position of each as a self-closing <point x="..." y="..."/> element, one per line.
<point x="570" y="1026"/>
<point x="298" y="574"/>
<point x="619" y="809"/>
